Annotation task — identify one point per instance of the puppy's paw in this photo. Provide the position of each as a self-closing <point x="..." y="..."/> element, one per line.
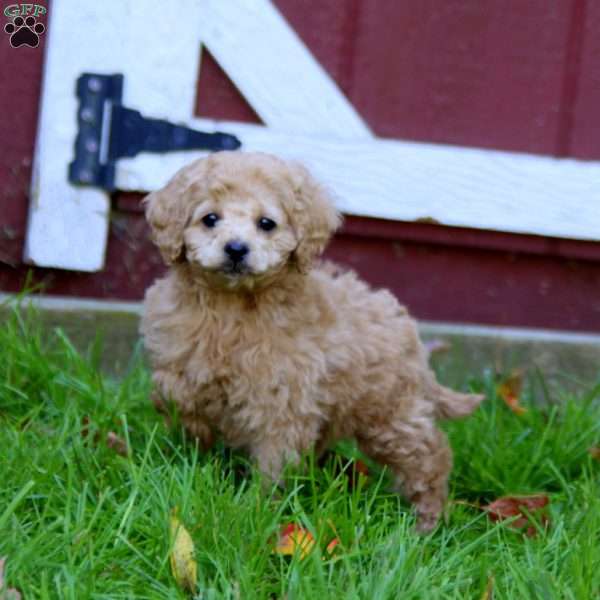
<point x="426" y="523"/>
<point x="429" y="507"/>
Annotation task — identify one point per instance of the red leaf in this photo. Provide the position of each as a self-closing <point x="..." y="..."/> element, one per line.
<point x="294" y="538"/>
<point x="361" y="468"/>
<point x="332" y="546"/>
<point x="512" y="506"/>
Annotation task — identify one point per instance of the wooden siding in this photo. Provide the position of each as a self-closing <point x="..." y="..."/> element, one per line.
<point x="523" y="76"/>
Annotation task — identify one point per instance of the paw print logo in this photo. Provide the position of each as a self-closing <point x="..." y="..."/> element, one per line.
<point x="24" y="32"/>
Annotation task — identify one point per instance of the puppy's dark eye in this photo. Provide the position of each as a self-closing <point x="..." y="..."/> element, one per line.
<point x="266" y="224"/>
<point x="210" y="220"/>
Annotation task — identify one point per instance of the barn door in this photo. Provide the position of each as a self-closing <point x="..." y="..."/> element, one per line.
<point x="120" y="64"/>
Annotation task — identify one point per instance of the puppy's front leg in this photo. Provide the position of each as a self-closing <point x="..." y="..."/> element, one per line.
<point x="271" y="454"/>
<point x="284" y="431"/>
<point x="283" y="443"/>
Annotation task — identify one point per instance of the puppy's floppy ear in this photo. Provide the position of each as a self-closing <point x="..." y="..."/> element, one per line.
<point x="168" y="211"/>
<point x="313" y="217"/>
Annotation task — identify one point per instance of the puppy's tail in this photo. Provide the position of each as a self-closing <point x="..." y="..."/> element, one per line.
<point x="453" y="405"/>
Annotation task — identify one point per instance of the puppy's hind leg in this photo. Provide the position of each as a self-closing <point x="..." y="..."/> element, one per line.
<point x="421" y="460"/>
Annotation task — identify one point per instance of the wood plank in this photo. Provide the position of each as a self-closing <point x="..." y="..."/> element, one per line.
<point x="584" y="141"/>
<point x="474" y="73"/>
<point x="473" y="239"/>
<point x="458" y="285"/>
<point x="276" y="73"/>
<point x="328" y="29"/>
<point x="408" y="181"/>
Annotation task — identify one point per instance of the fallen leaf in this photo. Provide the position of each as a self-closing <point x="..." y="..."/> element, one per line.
<point x="488" y="593"/>
<point x="10" y="593"/>
<point x="510" y="391"/>
<point x="512" y="506"/>
<point x="113" y="441"/>
<point x="330" y="549"/>
<point x="361" y="467"/>
<point x="595" y="452"/>
<point x="183" y="565"/>
<point x="117" y="443"/>
<point x="294" y="538"/>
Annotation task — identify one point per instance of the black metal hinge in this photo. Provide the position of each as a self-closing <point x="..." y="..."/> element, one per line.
<point x="108" y="131"/>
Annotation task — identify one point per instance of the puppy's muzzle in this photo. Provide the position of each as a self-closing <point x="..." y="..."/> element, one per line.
<point x="236" y="251"/>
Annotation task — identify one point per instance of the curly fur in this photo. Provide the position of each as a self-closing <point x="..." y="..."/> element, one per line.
<point x="286" y="355"/>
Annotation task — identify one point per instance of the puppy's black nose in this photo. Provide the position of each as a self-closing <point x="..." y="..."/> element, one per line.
<point x="236" y="250"/>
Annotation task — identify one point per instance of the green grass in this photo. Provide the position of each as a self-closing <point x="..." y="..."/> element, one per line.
<point x="77" y="520"/>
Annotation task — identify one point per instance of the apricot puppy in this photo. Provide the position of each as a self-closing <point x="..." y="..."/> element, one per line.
<point x="257" y="345"/>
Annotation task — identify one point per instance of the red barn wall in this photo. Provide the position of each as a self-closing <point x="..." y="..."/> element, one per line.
<point x="514" y="76"/>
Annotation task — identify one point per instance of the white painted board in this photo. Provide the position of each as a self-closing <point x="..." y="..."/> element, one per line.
<point x="409" y="181"/>
<point x="275" y="72"/>
<point x="68" y="225"/>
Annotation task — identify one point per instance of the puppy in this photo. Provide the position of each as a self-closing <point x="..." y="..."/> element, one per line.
<point x="257" y="345"/>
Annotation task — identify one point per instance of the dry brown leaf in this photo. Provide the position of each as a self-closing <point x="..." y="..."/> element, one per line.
<point x="518" y="506"/>
<point x="294" y="538"/>
<point x="595" y="452"/>
<point x="113" y="441"/>
<point x="510" y="391"/>
<point x="488" y="593"/>
<point x="10" y="593"/>
<point x="183" y="564"/>
<point x="117" y="443"/>
<point x="361" y="468"/>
